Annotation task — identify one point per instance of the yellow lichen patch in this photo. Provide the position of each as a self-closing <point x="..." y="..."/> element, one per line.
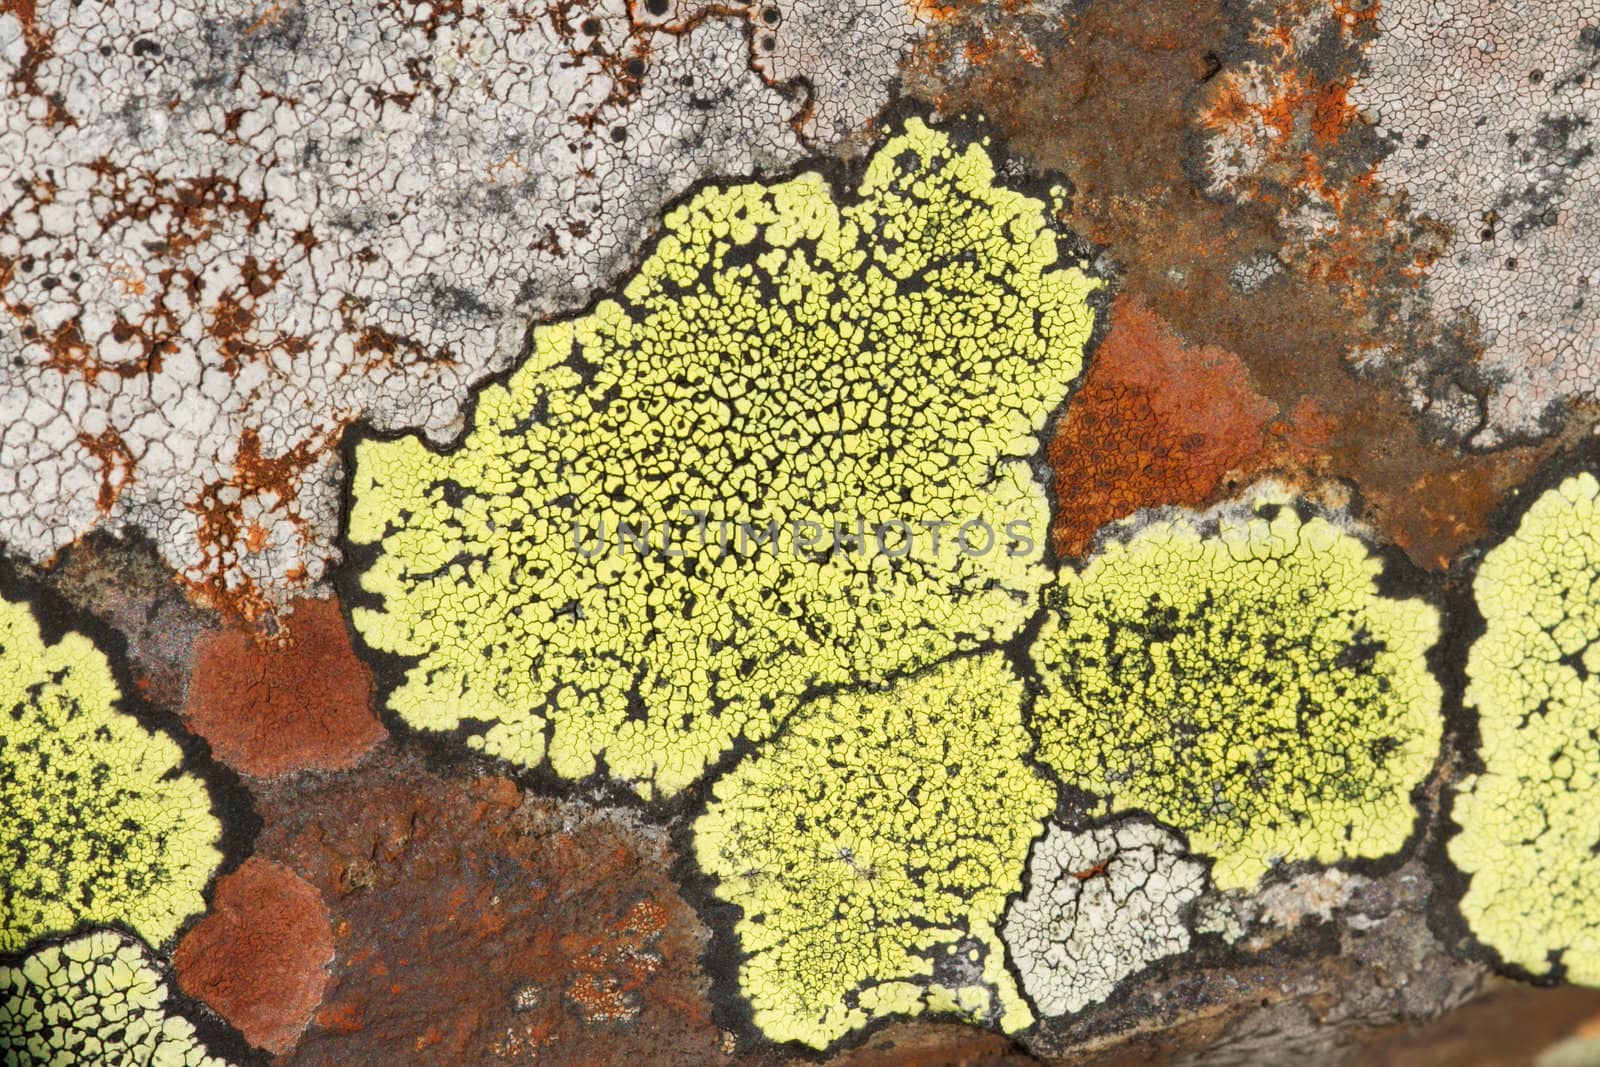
<point x="1529" y="838"/>
<point x="871" y="848"/>
<point x="1239" y="677"/>
<point x="685" y="509"/>
<point x="99" y="824"/>
<point x="97" y="999"/>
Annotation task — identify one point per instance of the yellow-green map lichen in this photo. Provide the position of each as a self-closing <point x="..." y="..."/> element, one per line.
<point x="1529" y="836"/>
<point x="784" y="355"/>
<point x="871" y="847"/>
<point x="1239" y="677"/>
<point x="100" y="825"/>
<point x="96" y="999"/>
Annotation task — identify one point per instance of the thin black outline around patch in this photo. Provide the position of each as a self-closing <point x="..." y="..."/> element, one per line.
<point x="389" y="670"/>
<point x="678" y="812"/>
<point x="724" y="955"/>
<point x="213" y="1033"/>
<point x="1186" y="913"/>
<point x="231" y="804"/>
<point x="1451" y="883"/>
<point x="1398" y="578"/>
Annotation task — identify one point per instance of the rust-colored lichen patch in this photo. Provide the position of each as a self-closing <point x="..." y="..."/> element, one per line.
<point x="474" y="923"/>
<point x="259" y="957"/>
<point x="38" y="49"/>
<point x="1115" y="105"/>
<point x="1281" y="132"/>
<point x="230" y="514"/>
<point x="1155" y="422"/>
<point x="613" y="965"/>
<point x="297" y="702"/>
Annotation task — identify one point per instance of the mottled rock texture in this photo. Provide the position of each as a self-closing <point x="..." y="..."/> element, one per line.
<point x="1279" y="748"/>
<point x="476" y="923"/>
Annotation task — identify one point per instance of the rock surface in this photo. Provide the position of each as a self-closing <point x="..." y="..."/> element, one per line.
<point x="1308" y="784"/>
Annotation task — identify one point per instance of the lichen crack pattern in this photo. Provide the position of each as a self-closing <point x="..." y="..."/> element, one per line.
<point x="783" y="356"/>
<point x="229" y="231"/>
<point x="871" y="847"/>
<point x="1239" y="676"/>
<point x="101" y="822"/>
<point x="96" y="999"/>
<point x="1528" y="837"/>
<point x="1433" y="161"/>
<point x="1102" y="904"/>
<point x="1487" y="114"/>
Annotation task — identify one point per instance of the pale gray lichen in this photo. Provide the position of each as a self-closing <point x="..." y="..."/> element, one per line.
<point x="1227" y="916"/>
<point x="1435" y="163"/>
<point x="1310" y="895"/>
<point x="227" y="232"/>
<point x="1488" y="111"/>
<point x="859" y="44"/>
<point x="1102" y="904"/>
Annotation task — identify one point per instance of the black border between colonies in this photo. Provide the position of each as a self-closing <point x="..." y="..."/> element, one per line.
<point x="1450" y="883"/>
<point x="389" y="669"/>
<point x="1398" y="578"/>
<point x="722" y="958"/>
<point x="231" y="804"/>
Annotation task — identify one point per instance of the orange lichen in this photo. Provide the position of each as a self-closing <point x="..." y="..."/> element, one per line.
<point x="260" y="956"/>
<point x="951" y="10"/>
<point x="298" y="702"/>
<point x="1117" y="111"/>
<point x="382" y="346"/>
<point x="223" y="528"/>
<point x="1292" y="127"/>
<point x="1002" y="41"/>
<point x="1155" y="422"/>
<point x="185" y="213"/>
<point x="116" y="465"/>
<point x="220" y="270"/>
<point x="1353" y="13"/>
<point x="1369" y="248"/>
<point x="233" y="320"/>
<point x="612" y="966"/>
<point x="38" y="49"/>
<point x="1294" y="100"/>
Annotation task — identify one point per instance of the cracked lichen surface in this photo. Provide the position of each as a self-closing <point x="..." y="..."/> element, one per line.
<point x="96" y="999"/>
<point x="1487" y="112"/>
<point x="100" y="823"/>
<point x="1102" y="904"/>
<point x="1239" y="676"/>
<point x="785" y="355"/>
<point x="870" y="849"/>
<point x="1528" y="837"/>
<point x="1435" y="161"/>
<point x="228" y="231"/>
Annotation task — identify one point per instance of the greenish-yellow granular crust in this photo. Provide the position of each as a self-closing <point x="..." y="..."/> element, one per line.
<point x="1530" y="836"/>
<point x="779" y="357"/>
<point x="871" y="848"/>
<point x="98" y="824"/>
<point x="96" y="999"/>
<point x="1240" y="678"/>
